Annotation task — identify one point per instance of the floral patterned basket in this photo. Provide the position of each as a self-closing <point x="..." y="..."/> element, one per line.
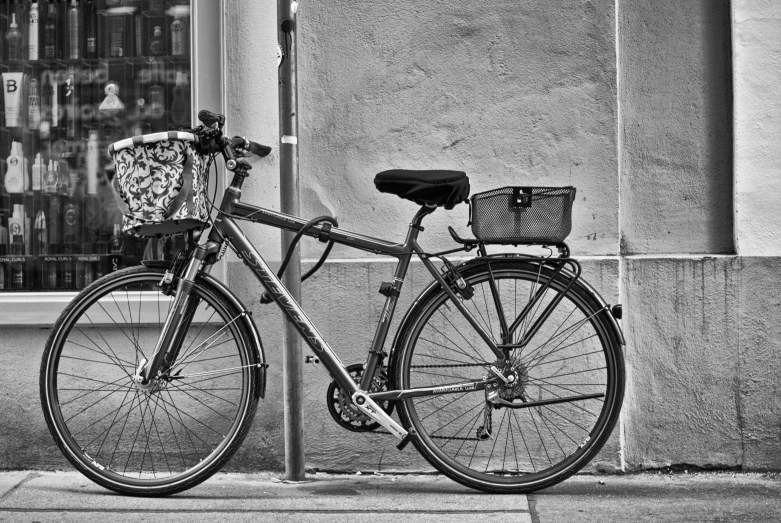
<point x="160" y="183"/>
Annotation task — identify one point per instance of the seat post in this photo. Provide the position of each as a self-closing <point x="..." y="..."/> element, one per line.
<point x="424" y="211"/>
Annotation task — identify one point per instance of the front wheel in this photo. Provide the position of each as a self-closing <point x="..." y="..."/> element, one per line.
<point x="566" y="393"/>
<point x="165" y="436"/>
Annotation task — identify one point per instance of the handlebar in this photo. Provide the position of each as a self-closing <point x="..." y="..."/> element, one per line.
<point x="236" y="146"/>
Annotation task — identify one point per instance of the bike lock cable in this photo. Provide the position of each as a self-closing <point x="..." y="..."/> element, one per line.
<point x="265" y="298"/>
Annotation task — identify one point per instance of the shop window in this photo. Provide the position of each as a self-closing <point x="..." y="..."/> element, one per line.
<point x="78" y="75"/>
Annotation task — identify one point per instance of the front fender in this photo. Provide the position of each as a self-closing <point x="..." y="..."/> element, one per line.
<point x="249" y="323"/>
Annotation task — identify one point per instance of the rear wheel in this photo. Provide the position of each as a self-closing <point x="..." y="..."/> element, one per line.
<point x="168" y="435"/>
<point x="566" y="392"/>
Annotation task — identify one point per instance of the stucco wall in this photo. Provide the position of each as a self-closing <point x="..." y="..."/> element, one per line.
<point x="757" y="57"/>
<point x="676" y="138"/>
<point x="512" y="93"/>
<point x="704" y="362"/>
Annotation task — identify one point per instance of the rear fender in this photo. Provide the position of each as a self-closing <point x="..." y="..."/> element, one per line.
<point x="434" y="285"/>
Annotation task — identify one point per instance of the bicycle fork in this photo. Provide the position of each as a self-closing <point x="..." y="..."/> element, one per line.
<point x="175" y="328"/>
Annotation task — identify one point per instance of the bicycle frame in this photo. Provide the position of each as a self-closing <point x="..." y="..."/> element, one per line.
<point x="225" y="231"/>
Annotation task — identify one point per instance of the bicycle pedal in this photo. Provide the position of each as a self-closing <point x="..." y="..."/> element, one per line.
<point x="405" y="440"/>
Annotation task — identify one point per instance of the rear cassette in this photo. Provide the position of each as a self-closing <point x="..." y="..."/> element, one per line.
<point x="342" y="409"/>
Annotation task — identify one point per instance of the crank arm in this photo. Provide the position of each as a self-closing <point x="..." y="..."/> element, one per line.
<point x="366" y="405"/>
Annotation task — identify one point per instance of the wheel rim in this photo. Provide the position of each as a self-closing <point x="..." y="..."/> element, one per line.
<point x="567" y="358"/>
<point x="175" y="428"/>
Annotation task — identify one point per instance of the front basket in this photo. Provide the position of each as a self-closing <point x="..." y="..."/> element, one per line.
<point x="160" y="183"/>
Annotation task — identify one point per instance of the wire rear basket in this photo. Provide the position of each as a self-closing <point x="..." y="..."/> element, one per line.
<point x="522" y="215"/>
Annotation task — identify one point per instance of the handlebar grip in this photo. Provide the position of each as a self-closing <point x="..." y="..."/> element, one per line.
<point x="209" y="118"/>
<point x="259" y="150"/>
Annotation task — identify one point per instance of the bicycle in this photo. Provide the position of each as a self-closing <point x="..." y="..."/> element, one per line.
<point x="507" y="370"/>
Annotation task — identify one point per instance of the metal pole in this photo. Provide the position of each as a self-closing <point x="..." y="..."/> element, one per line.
<point x="288" y="187"/>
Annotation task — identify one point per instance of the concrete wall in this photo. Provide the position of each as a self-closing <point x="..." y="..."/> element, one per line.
<point x="676" y="133"/>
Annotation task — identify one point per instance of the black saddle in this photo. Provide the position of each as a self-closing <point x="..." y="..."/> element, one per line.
<point x="425" y="187"/>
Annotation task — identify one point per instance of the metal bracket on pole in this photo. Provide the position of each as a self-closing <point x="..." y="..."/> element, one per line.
<point x="288" y="178"/>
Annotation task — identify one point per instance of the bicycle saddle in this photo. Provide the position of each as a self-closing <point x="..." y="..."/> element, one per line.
<point x="446" y="188"/>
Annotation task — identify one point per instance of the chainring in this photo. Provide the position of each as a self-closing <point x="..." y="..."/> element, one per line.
<point x="342" y="409"/>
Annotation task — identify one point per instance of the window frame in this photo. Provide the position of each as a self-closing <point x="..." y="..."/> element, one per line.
<point x="208" y="91"/>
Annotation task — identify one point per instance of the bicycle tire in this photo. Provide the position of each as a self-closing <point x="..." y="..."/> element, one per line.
<point x="548" y="443"/>
<point x="179" y="432"/>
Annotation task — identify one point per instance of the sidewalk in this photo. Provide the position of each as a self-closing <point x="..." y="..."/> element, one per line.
<point x="722" y="497"/>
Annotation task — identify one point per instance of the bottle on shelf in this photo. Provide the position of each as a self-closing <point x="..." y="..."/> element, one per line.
<point x="71" y="106"/>
<point x="156" y="45"/>
<point x="13" y="40"/>
<point x="32" y="32"/>
<point x="110" y="111"/>
<point x="178" y="40"/>
<point x="37" y="174"/>
<point x="74" y="31"/>
<point x="50" y="33"/>
<point x="3" y="236"/>
<point x="116" y="35"/>
<point x="17" y="268"/>
<point x="180" y="101"/>
<point x="16" y="227"/>
<point x="33" y="104"/>
<point x="14" y="171"/>
<point x="55" y="208"/>
<point x="117" y="242"/>
<point x="91" y="21"/>
<point x="40" y="233"/>
<point x="93" y="163"/>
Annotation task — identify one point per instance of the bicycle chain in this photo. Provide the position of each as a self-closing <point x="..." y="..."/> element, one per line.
<point x="449" y="437"/>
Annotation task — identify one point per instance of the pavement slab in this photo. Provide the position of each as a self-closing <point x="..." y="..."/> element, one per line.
<point x="639" y="498"/>
<point x="63" y="496"/>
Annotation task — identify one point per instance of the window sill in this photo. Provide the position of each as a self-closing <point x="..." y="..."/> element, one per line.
<point x="32" y="308"/>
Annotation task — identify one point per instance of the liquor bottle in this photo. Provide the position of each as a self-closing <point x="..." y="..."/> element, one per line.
<point x="70" y="104"/>
<point x="32" y="32"/>
<point x="178" y="42"/>
<point x="93" y="161"/>
<point x="50" y="33"/>
<point x="33" y="104"/>
<point x="16" y="227"/>
<point x="17" y="268"/>
<point x="117" y="242"/>
<point x="13" y="40"/>
<point x="55" y="210"/>
<point x="110" y="111"/>
<point x="38" y="174"/>
<point x="116" y="35"/>
<point x="74" y="31"/>
<point x="156" y="45"/>
<point x="91" y="21"/>
<point x="49" y="179"/>
<point x="180" y="101"/>
<point x="3" y="236"/>
<point x="40" y="233"/>
<point x="71" y="225"/>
